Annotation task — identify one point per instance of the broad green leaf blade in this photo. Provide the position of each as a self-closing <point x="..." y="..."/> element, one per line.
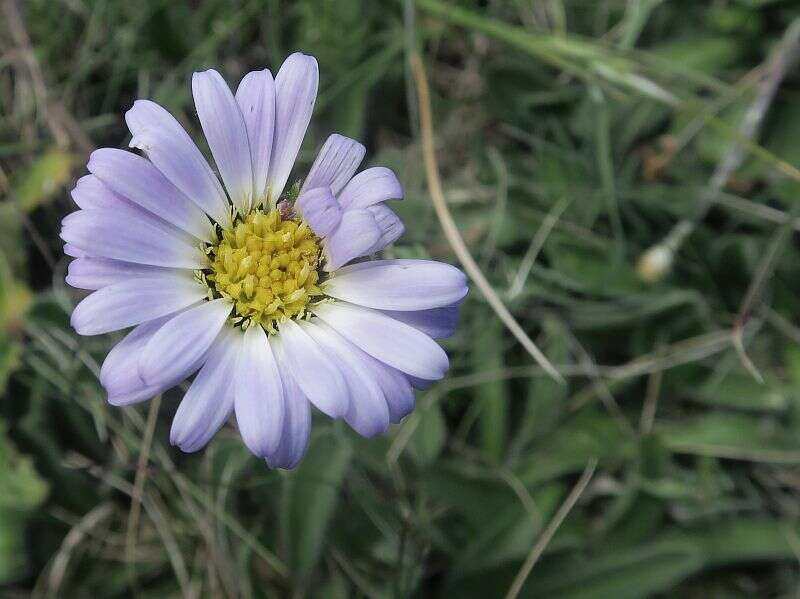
<point x="43" y="179"/>
<point x="22" y="491"/>
<point x="310" y="496"/>
<point x="430" y="435"/>
<point x="734" y="436"/>
<point x="487" y="355"/>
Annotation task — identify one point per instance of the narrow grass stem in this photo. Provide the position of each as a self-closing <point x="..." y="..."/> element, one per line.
<point x="778" y="66"/>
<point x="451" y="230"/>
<point x="550" y="531"/>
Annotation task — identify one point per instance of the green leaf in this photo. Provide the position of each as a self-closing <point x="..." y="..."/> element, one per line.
<point x="41" y="180"/>
<point x="470" y="492"/>
<point x="22" y="491"/>
<point x="732" y="540"/>
<point x="510" y="534"/>
<point x="487" y="354"/>
<point x="544" y="400"/>
<point x="587" y="435"/>
<point x="644" y="569"/>
<point x="429" y="437"/>
<point x="708" y="54"/>
<point x="738" y="389"/>
<point x="781" y="137"/>
<point x="310" y="497"/>
<point x="641" y="572"/>
<point x="735" y="436"/>
<point x="15" y="298"/>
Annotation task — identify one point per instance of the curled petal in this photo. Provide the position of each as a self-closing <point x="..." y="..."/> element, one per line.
<point x="335" y="164"/>
<point x="355" y="236"/>
<point x="389" y="223"/>
<point x="369" y="187"/>
<point x="319" y="209"/>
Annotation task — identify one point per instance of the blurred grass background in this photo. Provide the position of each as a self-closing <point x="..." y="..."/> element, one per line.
<point x="573" y="136"/>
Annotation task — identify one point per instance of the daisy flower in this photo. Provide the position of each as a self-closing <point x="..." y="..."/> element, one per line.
<point x="263" y="291"/>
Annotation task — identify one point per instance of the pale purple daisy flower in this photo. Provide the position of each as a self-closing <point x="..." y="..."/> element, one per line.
<point x="249" y="285"/>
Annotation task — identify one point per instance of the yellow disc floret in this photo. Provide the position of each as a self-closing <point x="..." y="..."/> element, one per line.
<point x="267" y="265"/>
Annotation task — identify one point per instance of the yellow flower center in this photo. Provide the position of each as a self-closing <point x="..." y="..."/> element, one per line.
<point x="267" y="265"/>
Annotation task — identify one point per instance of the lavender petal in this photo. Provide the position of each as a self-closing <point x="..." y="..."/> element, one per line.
<point x="438" y="323"/>
<point x="398" y="284"/>
<point x="297" y="417"/>
<point x="130" y="234"/>
<point x="392" y="342"/>
<point x="94" y="273"/>
<point x="369" y="187"/>
<point x="226" y="133"/>
<point x="356" y="234"/>
<point x="259" y="402"/>
<point x="389" y="223"/>
<point x="181" y="341"/>
<point x="133" y="302"/>
<point x="209" y="401"/>
<point x="315" y="373"/>
<point x="295" y="94"/>
<point x="256" y="99"/>
<point x="368" y="413"/>
<point x="136" y="179"/>
<point x="335" y="164"/>
<point x="91" y="193"/>
<point x="319" y="209"/>
<point x="165" y="142"/>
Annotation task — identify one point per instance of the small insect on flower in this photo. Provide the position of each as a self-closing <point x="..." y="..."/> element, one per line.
<point x="258" y="289"/>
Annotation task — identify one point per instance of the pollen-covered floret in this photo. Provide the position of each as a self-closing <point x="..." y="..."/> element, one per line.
<point x="268" y="266"/>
